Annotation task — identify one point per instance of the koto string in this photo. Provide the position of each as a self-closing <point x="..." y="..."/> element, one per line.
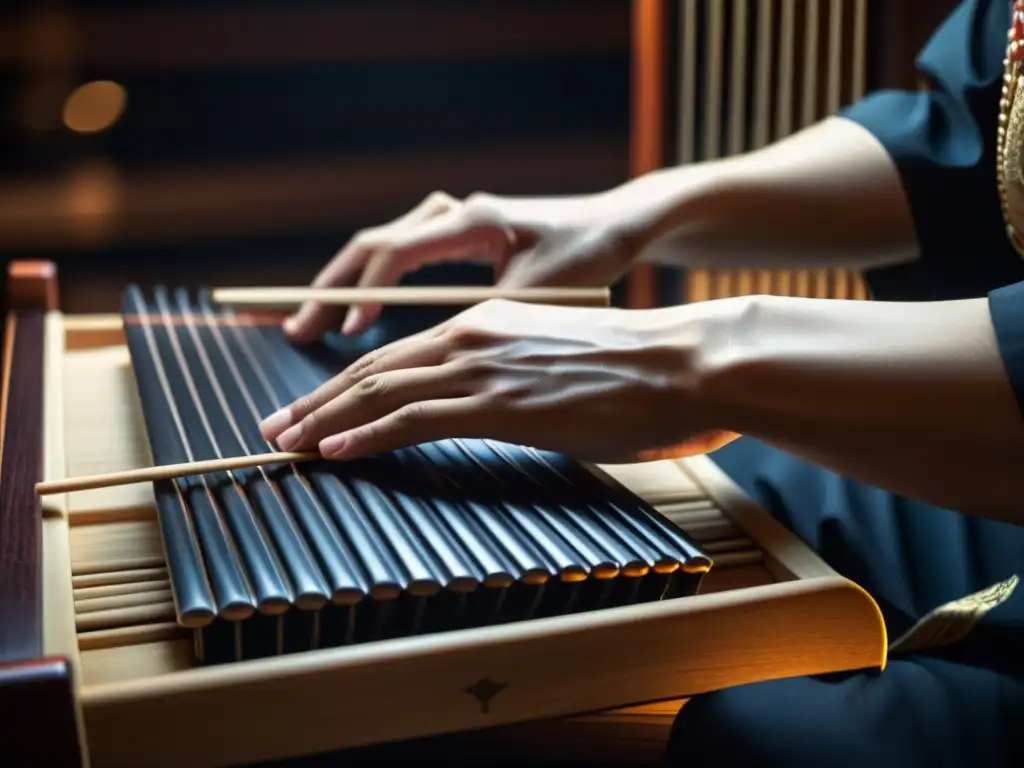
<point x="457" y="552"/>
<point x="589" y="535"/>
<point x="261" y="494"/>
<point x="401" y="541"/>
<point x="491" y="569"/>
<point x="353" y="521"/>
<point x="278" y="501"/>
<point x="272" y="592"/>
<point x="194" y="607"/>
<point x="346" y="586"/>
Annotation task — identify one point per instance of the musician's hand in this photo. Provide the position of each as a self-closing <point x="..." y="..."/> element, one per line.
<point x="531" y="242"/>
<point x="599" y="384"/>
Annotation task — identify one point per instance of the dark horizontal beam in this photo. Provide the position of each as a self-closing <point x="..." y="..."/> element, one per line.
<point x="174" y="39"/>
<point x="98" y="205"/>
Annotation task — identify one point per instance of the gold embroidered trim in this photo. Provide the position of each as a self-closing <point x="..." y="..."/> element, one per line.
<point x="953" y="621"/>
<point x="1010" y="134"/>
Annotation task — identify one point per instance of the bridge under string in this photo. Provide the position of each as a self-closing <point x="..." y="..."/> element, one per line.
<point x="449" y="534"/>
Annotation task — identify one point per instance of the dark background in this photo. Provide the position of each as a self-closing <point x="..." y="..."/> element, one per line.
<point x="259" y="135"/>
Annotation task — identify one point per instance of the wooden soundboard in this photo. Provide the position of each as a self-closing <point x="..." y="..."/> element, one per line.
<point x="95" y="654"/>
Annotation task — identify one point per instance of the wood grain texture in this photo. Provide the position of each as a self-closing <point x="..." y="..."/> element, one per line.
<point x="21" y="628"/>
<point x="37" y="714"/>
<point x="647" y="117"/>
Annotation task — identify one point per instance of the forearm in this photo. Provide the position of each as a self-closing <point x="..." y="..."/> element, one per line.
<point x="913" y="398"/>
<point x="827" y="196"/>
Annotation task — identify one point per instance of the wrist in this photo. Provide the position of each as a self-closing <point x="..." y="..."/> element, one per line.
<point x="648" y="208"/>
<point x="709" y="347"/>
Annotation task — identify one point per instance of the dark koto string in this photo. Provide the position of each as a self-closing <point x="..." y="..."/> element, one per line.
<point x="441" y="547"/>
<point x="292" y="553"/>
<point x="336" y="556"/>
<point x="217" y="547"/>
<point x="264" y="571"/>
<point x="390" y="534"/>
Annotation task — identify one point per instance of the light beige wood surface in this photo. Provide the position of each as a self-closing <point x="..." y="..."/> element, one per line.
<point x="768" y="608"/>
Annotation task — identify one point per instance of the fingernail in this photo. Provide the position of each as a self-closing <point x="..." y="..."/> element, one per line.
<point x="350" y="323"/>
<point x="332" y="446"/>
<point x="275" y="423"/>
<point x="290" y="325"/>
<point x="290" y="437"/>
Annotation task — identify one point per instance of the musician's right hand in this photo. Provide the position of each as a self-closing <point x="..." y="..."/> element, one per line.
<point x="587" y="240"/>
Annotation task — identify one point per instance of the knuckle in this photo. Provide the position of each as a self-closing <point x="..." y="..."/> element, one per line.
<point x="311" y="423"/>
<point x="364" y="364"/>
<point x="410" y="414"/>
<point x="304" y="406"/>
<point x="468" y="335"/>
<point x="438" y="198"/>
<point x="478" y="368"/>
<point x="480" y="208"/>
<point x="372" y="387"/>
<point x="366" y="237"/>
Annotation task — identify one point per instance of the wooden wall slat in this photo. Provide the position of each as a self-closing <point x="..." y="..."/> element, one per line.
<point x="811" y="59"/>
<point x="794" y="62"/>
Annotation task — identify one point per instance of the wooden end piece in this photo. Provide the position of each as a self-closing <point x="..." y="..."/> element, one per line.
<point x="39" y="725"/>
<point x="33" y="285"/>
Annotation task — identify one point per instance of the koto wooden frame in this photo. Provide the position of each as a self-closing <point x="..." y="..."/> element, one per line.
<point x="803" y="619"/>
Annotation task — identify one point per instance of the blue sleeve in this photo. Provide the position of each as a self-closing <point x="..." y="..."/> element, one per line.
<point x="943" y="141"/>
<point x="1006" y="306"/>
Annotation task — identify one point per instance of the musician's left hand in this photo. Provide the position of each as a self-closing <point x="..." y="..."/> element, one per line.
<point x="598" y="384"/>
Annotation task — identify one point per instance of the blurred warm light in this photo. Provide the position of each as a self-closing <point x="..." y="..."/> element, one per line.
<point x="92" y="197"/>
<point x="94" y="107"/>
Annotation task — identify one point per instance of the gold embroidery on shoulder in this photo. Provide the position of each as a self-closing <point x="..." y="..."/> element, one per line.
<point x="953" y="621"/>
<point x="1010" y="136"/>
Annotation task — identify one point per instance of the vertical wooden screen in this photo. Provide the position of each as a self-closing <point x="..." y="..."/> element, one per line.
<point x="736" y="75"/>
<point x="755" y="71"/>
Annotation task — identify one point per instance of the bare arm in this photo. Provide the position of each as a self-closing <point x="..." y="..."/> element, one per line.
<point x="828" y="196"/>
<point x="911" y="397"/>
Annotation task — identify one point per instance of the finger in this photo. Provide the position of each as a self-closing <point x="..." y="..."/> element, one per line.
<point x="421" y="349"/>
<point x="383" y="270"/>
<point x="419" y="422"/>
<point x="313" y="319"/>
<point x="449" y="236"/>
<point x="373" y="398"/>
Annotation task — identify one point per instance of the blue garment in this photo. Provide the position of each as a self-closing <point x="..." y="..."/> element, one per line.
<point x="963" y="703"/>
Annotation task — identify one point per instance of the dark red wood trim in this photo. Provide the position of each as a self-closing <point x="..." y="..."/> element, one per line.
<point x="37" y="715"/>
<point x="21" y="450"/>
<point x="37" y="711"/>
<point x="647" y="131"/>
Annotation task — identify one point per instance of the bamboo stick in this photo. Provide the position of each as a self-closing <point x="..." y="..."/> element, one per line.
<point x="286" y="297"/>
<point x="168" y="471"/>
